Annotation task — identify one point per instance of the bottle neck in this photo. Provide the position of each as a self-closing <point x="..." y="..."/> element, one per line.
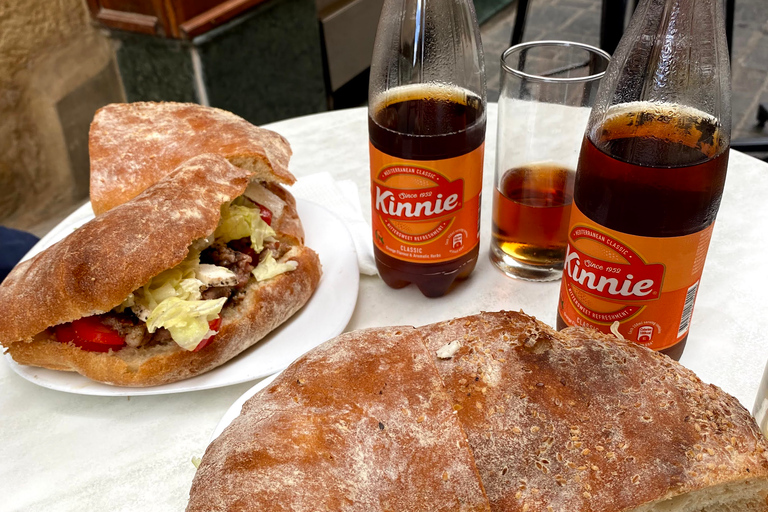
<point x="435" y="42"/>
<point x="673" y="53"/>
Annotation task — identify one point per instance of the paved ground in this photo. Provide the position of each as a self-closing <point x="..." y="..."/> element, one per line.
<point x="579" y="20"/>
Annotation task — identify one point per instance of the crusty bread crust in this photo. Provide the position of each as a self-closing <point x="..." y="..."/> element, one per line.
<point x="571" y="421"/>
<point x="133" y="145"/>
<point x="266" y="305"/>
<point x="360" y="424"/>
<point x="95" y="268"/>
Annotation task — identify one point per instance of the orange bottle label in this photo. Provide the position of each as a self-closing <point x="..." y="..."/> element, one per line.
<point x="426" y="211"/>
<point x="646" y="284"/>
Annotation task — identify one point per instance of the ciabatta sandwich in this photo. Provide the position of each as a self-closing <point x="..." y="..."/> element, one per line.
<point x="166" y="286"/>
<point x="571" y="421"/>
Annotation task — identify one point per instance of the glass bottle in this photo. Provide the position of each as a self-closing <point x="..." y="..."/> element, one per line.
<point x="650" y="177"/>
<point x="426" y="124"/>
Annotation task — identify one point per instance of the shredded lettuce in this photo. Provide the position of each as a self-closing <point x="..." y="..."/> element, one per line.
<point x="186" y="320"/>
<point x="268" y="267"/>
<point x="179" y="281"/>
<point x="171" y="299"/>
<point x="241" y="221"/>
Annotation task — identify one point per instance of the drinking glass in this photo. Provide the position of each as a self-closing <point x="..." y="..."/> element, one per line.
<point x="547" y="91"/>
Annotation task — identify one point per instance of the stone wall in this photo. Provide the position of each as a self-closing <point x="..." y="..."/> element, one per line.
<point x="56" y="69"/>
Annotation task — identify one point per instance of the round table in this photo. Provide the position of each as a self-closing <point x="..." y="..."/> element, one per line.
<point x="65" y="451"/>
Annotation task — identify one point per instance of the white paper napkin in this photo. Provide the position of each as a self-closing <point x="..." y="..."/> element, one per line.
<point x="341" y="197"/>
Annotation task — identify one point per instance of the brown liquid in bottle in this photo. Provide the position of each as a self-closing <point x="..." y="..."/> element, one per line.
<point x="652" y="173"/>
<point x="422" y="126"/>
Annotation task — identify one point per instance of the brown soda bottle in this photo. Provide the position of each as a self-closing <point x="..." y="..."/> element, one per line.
<point x="650" y="177"/>
<point x="426" y="125"/>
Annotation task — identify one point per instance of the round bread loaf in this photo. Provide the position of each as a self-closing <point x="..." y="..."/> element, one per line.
<point x="571" y="421"/>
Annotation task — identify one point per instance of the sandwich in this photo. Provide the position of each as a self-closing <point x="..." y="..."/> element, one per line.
<point x="178" y="280"/>
<point x="133" y="145"/>
<point x="570" y="421"/>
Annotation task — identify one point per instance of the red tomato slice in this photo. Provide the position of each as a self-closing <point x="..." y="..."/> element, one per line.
<point x="265" y="214"/>
<point x="90" y="334"/>
<point x="214" y="326"/>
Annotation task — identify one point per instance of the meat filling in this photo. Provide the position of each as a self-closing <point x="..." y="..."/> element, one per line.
<point x="239" y="262"/>
<point x="134" y="330"/>
<point x="237" y="256"/>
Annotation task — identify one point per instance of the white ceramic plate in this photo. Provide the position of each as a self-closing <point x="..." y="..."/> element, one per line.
<point x="234" y="409"/>
<point x="324" y="316"/>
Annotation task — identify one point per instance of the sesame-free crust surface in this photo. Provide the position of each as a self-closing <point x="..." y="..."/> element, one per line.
<point x="579" y="421"/>
<point x="133" y="145"/>
<point x="361" y="423"/>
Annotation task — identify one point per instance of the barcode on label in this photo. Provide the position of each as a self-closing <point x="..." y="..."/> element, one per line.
<point x="685" y="320"/>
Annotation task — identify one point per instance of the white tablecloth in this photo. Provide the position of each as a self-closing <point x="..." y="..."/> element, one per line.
<point x="64" y="451"/>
